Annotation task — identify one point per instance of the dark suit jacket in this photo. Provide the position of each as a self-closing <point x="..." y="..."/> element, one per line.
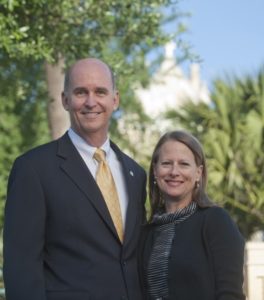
<point x="206" y="259"/>
<point x="59" y="240"/>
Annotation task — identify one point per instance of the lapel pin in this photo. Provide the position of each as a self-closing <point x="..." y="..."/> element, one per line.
<point x="131" y="173"/>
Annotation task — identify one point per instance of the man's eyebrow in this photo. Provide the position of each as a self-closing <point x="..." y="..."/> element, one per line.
<point x="101" y="88"/>
<point x="80" y="88"/>
<point x="97" y="89"/>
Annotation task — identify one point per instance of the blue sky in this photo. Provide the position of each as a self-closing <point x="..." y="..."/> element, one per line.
<point x="228" y="35"/>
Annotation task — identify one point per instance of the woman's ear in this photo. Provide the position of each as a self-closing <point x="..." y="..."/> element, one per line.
<point x="199" y="172"/>
<point x="154" y="171"/>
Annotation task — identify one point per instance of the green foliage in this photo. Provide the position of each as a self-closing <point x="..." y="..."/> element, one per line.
<point x="46" y="29"/>
<point x="231" y="130"/>
<point x="122" y="33"/>
<point x="119" y="32"/>
<point x="22" y="114"/>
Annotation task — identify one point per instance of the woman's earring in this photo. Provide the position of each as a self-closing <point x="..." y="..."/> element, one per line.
<point x="197" y="184"/>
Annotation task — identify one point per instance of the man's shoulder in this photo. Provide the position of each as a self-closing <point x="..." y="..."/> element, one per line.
<point x="41" y="151"/>
<point x="126" y="157"/>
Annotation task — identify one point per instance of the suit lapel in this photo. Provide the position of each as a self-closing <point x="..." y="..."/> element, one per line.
<point x="130" y="180"/>
<point x="75" y="168"/>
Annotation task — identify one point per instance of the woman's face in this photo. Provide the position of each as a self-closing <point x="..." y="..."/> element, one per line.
<point x="176" y="173"/>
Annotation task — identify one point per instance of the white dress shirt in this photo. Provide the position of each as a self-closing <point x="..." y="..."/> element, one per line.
<point x="86" y="151"/>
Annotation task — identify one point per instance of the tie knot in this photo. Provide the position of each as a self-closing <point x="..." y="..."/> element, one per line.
<point x="99" y="155"/>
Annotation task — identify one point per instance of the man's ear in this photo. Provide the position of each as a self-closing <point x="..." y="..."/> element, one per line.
<point x="64" y="100"/>
<point x="116" y="100"/>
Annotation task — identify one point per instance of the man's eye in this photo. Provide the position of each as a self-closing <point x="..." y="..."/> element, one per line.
<point x="165" y="163"/>
<point x="80" y="93"/>
<point x="100" y="92"/>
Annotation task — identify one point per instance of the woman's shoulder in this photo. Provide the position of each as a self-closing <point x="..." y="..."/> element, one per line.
<point x="214" y="212"/>
<point x="217" y="219"/>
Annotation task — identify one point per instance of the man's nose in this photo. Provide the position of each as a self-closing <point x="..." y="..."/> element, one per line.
<point x="90" y="100"/>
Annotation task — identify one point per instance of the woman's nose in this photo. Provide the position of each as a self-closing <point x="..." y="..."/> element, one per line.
<point x="174" y="169"/>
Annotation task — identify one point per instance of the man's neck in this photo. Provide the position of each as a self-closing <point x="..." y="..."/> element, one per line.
<point x="93" y="139"/>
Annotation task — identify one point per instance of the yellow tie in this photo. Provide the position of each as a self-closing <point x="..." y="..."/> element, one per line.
<point x="107" y="186"/>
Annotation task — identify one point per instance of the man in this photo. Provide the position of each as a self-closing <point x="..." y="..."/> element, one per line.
<point x="60" y="241"/>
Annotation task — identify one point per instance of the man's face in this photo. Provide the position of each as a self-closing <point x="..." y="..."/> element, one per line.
<point x="90" y="99"/>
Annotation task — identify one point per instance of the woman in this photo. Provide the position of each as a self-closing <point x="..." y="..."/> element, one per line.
<point x="190" y="249"/>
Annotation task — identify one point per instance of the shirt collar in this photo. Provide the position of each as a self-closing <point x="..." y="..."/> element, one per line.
<point x="83" y="146"/>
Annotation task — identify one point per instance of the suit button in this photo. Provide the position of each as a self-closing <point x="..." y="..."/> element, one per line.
<point x="123" y="263"/>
